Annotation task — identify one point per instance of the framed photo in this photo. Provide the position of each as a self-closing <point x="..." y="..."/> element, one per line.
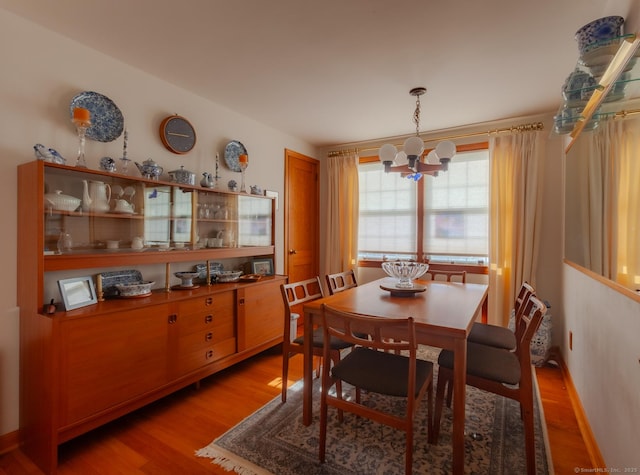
<point x="77" y="292"/>
<point x="262" y="266"/>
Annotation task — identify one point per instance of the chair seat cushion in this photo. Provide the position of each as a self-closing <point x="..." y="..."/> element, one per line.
<point x="492" y="335"/>
<point x="487" y="362"/>
<point x="318" y="341"/>
<point x="384" y="373"/>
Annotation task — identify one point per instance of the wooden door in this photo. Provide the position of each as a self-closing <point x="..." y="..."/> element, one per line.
<point x="302" y="220"/>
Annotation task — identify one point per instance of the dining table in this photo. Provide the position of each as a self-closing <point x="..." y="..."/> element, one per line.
<point x="443" y="312"/>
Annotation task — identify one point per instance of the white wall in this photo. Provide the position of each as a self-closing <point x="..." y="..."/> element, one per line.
<point x="41" y="73"/>
<point x="605" y="363"/>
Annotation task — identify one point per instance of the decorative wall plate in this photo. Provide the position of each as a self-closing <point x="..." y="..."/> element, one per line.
<point x="107" y="121"/>
<point x="231" y="153"/>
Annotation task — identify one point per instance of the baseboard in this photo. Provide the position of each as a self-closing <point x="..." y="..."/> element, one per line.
<point x="583" y="423"/>
<point x="9" y="442"/>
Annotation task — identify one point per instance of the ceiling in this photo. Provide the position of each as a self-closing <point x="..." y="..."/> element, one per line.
<point x="339" y="71"/>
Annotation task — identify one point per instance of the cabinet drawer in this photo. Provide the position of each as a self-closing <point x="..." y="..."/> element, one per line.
<point x="221" y="302"/>
<point x="217" y="322"/>
<point x="197" y="355"/>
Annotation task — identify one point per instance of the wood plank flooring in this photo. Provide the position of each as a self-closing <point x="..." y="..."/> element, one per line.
<point x="162" y="437"/>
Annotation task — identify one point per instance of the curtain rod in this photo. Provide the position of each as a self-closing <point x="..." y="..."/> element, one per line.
<point x="518" y="128"/>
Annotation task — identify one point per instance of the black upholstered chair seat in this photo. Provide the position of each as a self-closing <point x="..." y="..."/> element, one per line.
<point x="318" y="341"/>
<point x="492" y="335"/>
<point x="380" y="372"/>
<point x="487" y="362"/>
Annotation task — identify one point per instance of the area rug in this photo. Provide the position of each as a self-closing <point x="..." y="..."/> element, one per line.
<point x="273" y="440"/>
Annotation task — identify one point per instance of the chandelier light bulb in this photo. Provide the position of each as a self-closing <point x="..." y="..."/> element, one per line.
<point x="401" y="158"/>
<point x="387" y="153"/>
<point x="445" y="150"/>
<point x="432" y="158"/>
<point x="413" y="146"/>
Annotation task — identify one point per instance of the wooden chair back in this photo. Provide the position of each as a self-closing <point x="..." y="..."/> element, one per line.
<point x="448" y="275"/>
<point x="376" y="344"/>
<point x="341" y="281"/>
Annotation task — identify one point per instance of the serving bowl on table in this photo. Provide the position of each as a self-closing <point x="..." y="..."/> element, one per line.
<point x="405" y="272"/>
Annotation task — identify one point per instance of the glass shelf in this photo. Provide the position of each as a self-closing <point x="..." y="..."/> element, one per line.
<point x="615" y="69"/>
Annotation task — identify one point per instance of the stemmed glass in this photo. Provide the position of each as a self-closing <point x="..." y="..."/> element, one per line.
<point x="82" y="121"/>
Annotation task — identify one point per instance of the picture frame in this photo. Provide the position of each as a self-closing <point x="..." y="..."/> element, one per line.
<point x="262" y="266"/>
<point x="77" y="292"/>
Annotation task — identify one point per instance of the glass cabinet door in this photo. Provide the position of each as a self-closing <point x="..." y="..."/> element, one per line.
<point x="254" y="221"/>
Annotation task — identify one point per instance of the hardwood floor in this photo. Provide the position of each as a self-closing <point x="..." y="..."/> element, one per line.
<point x="162" y="437"/>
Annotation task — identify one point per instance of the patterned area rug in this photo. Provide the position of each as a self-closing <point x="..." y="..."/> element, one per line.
<point x="273" y="440"/>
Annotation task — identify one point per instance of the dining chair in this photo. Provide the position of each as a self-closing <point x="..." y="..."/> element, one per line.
<point x="499" y="336"/>
<point x="448" y="275"/>
<point x="294" y="295"/>
<point x="373" y="366"/>
<point x="341" y="281"/>
<point x="499" y="371"/>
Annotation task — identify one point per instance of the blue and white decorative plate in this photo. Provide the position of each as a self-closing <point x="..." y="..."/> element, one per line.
<point x="597" y="31"/>
<point x="107" y="121"/>
<point x="231" y="153"/>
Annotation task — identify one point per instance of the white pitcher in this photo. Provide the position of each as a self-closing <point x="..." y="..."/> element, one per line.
<point x="96" y="196"/>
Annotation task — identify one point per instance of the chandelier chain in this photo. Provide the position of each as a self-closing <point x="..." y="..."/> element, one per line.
<point x="416" y="116"/>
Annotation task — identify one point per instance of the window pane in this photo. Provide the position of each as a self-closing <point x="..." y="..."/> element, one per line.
<point x="456" y="207"/>
<point x="387" y="212"/>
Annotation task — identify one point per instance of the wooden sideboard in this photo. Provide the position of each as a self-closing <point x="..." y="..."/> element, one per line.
<point x="82" y="368"/>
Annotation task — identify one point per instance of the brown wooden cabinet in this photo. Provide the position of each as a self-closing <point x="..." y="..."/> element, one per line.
<point x="82" y="368"/>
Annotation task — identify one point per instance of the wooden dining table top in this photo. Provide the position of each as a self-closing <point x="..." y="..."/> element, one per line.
<point x="443" y="308"/>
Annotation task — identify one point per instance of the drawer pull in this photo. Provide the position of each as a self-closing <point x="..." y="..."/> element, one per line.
<point x="209" y="354"/>
<point x="173" y="318"/>
<point x="208" y="319"/>
<point x="208" y="336"/>
<point x="208" y="301"/>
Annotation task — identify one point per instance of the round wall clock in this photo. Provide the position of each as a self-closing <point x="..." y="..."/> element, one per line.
<point x="177" y="134"/>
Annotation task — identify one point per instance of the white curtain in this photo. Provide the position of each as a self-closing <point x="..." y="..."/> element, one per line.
<point x="609" y="187"/>
<point x="342" y="213"/>
<point x="516" y="170"/>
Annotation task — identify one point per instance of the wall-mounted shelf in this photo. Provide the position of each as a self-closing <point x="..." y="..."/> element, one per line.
<point x="615" y="67"/>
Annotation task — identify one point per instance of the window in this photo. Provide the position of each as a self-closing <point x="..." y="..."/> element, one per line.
<point x="444" y="218"/>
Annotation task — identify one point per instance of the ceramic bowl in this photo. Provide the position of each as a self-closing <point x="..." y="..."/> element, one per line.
<point x="229" y="276"/>
<point x="134" y="289"/>
<point x="599" y="31"/>
<point x="60" y="202"/>
<point x="186" y="277"/>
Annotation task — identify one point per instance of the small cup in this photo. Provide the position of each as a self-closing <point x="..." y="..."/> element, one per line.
<point x="214" y="242"/>
<point x="113" y="244"/>
<point x="178" y="244"/>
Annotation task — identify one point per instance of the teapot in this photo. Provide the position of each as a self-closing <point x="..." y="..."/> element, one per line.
<point x="183" y="176"/>
<point x="96" y="196"/>
<point x="150" y="169"/>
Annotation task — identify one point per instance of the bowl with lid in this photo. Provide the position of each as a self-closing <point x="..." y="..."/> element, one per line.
<point x="61" y="202"/>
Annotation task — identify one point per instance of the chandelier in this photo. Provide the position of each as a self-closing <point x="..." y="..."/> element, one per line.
<point x="409" y="160"/>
